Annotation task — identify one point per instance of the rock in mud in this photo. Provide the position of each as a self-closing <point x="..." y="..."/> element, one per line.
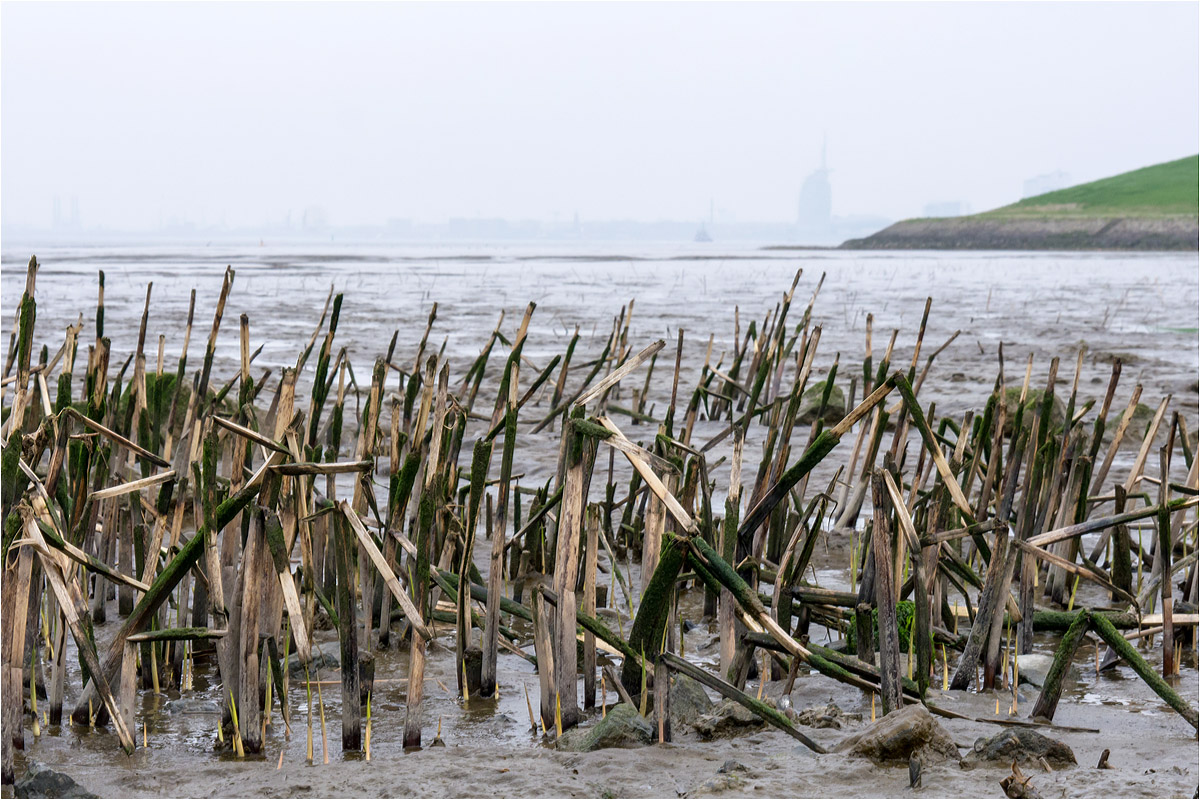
<point x="1023" y="746"/>
<point x="623" y="727"/>
<point x="900" y="735"/>
<point x="829" y="716"/>
<point x="731" y="777"/>
<point x="1139" y="423"/>
<point x="1033" y="399"/>
<point x="717" y="784"/>
<point x="42" y="782"/>
<point x="1032" y="668"/>
<point x="810" y="404"/>
<point x="689" y="701"/>
<point x="191" y="705"/>
<point x="321" y="659"/>
<point x="727" y="719"/>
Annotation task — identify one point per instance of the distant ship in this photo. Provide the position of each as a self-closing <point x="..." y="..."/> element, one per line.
<point x="702" y="234"/>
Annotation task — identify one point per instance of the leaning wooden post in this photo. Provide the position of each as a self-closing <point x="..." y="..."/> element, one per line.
<point x="591" y="553"/>
<point x="348" y="635"/>
<point x="253" y="588"/>
<point x="920" y="632"/>
<point x="891" y="689"/>
<point x="127" y="685"/>
<point x="662" y="700"/>
<point x="427" y="509"/>
<point x="479" y="464"/>
<point x="1109" y="633"/>
<point x="1122" y="568"/>
<point x="416" y="662"/>
<point x="650" y="625"/>
<point x="545" y="657"/>
<point x="1164" y="547"/>
<point x="125" y="554"/>
<point x="1052" y="687"/>
<point x="58" y="673"/>
<point x="579" y="451"/>
<point x="16" y="613"/>
<point x="726" y="545"/>
<point x="365" y="451"/>
<point x="504" y="412"/>
<point x="491" y="633"/>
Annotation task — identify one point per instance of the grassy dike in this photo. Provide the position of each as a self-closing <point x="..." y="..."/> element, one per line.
<point x="1154" y="208"/>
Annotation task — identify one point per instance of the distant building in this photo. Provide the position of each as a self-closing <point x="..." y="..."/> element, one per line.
<point x="952" y="208"/>
<point x="815" y="223"/>
<point x="399" y="226"/>
<point x="492" y="228"/>
<point x="314" y="220"/>
<point x="1049" y="182"/>
<point x="66" y="222"/>
<point x="816" y="200"/>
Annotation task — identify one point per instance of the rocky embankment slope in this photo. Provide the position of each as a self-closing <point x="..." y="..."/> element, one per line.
<point x="1036" y="233"/>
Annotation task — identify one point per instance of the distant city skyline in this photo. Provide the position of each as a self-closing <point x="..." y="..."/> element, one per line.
<point x="312" y="223"/>
<point x="239" y="114"/>
<point x="814" y="222"/>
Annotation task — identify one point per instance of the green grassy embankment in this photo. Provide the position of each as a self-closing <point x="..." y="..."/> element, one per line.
<point x="1153" y="208"/>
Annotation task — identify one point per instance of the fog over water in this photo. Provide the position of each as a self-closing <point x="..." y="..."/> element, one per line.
<point x="241" y="115"/>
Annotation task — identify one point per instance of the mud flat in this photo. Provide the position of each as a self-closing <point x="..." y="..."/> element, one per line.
<point x="458" y="570"/>
<point x="1152" y="752"/>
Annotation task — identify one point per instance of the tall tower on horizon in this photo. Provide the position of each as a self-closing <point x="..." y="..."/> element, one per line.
<point x="816" y="198"/>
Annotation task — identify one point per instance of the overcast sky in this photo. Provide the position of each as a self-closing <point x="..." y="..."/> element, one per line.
<point x="242" y="113"/>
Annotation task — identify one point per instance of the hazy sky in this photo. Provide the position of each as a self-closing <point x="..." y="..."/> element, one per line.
<point x="243" y="112"/>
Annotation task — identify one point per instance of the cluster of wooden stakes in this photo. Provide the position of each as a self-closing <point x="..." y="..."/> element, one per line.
<point x="220" y="527"/>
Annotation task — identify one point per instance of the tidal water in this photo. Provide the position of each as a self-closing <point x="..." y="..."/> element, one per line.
<point x="1141" y="308"/>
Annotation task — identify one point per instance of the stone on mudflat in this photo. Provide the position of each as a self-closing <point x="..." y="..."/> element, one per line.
<point x="728" y="718"/>
<point x="900" y="735"/>
<point x="1022" y="745"/>
<point x="828" y="716"/>
<point x="43" y="782"/>
<point x="689" y="701"/>
<point x="322" y="657"/>
<point x="718" y="784"/>
<point x="622" y="727"/>
<point x="810" y="404"/>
